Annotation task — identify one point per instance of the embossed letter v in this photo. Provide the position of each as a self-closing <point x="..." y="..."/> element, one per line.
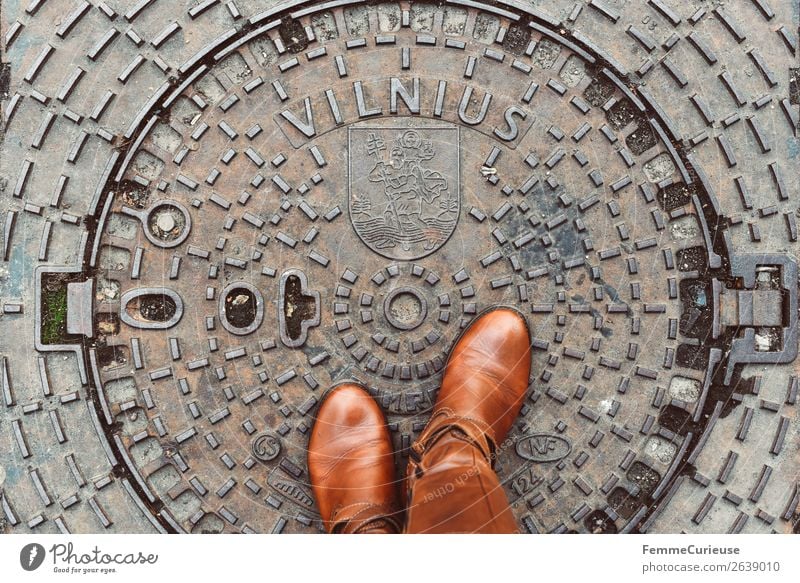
<point x="307" y="126"/>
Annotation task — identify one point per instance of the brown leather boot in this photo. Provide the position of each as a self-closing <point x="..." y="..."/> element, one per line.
<point x="450" y="482"/>
<point x="351" y="464"/>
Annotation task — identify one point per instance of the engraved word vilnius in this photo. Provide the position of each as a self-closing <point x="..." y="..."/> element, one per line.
<point x="404" y="188"/>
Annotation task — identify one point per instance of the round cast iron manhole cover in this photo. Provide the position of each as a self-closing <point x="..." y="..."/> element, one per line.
<point x="333" y="193"/>
<point x="374" y="193"/>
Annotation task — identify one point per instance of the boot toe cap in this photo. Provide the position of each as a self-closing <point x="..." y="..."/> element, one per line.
<point x="509" y="321"/>
<point x="348" y="406"/>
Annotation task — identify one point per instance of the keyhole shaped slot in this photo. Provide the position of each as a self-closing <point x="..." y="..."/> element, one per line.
<point x="299" y="308"/>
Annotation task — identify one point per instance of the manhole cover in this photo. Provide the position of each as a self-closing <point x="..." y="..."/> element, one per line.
<point x="371" y="195"/>
<point x="335" y="193"/>
<point x="412" y="179"/>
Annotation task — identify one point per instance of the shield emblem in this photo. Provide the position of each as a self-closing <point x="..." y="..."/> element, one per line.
<point x="404" y="188"/>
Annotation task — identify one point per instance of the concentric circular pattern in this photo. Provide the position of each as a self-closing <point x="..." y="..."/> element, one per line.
<point x="335" y="193"/>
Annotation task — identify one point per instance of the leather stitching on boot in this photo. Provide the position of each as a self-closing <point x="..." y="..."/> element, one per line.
<point x="362" y="516"/>
<point x="471" y="429"/>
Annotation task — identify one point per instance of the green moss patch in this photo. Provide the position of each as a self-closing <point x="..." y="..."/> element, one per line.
<point x="54" y="316"/>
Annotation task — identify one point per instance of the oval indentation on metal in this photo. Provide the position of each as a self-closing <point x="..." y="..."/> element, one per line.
<point x="241" y="308"/>
<point x="151" y="308"/>
<point x="543" y="447"/>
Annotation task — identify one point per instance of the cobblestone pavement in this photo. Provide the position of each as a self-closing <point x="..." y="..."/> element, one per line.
<point x="214" y="210"/>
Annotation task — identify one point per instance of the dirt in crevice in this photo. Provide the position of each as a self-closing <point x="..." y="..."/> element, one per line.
<point x="692" y="259"/>
<point x="157" y="307"/>
<point x="598" y="522"/>
<point x="111" y="356"/>
<point x="689" y="356"/>
<point x="675" y="196"/>
<point x="517" y="39"/>
<point x="293" y="35"/>
<point x="641" y="139"/>
<point x="677" y="420"/>
<point x="297" y="307"/>
<point x="621" y="114"/>
<point x="599" y="90"/>
<point x="106" y="324"/>
<point x="133" y="195"/>
<point x="643" y="476"/>
<point x="624" y="503"/>
<point x="697" y="317"/>
<point x="240" y="307"/>
<point x="546" y="53"/>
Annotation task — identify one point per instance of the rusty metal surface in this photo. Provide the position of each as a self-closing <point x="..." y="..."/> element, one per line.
<point x="267" y="202"/>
